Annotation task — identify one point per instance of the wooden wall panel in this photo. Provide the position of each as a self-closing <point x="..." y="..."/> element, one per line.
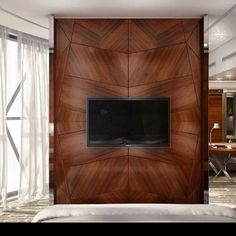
<point x="178" y="91"/>
<point x="75" y="91"/>
<point x="171" y="69"/>
<point x="150" y="177"/>
<point x="161" y="64"/>
<point x="154" y="33"/>
<point x="215" y="111"/>
<point x="103" y="176"/>
<point x="106" y="34"/>
<point x="98" y="65"/>
<point x="128" y="58"/>
<point x="91" y="61"/>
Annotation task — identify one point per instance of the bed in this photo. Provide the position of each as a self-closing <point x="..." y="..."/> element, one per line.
<point x="135" y="213"/>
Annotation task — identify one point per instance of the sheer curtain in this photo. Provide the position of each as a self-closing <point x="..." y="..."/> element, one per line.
<point x="24" y="146"/>
<point x="3" y="106"/>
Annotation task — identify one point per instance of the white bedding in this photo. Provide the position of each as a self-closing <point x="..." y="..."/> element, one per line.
<point x="136" y="213"/>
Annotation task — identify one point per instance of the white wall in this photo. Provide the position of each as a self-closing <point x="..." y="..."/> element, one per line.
<point x="217" y="55"/>
<point x="18" y="24"/>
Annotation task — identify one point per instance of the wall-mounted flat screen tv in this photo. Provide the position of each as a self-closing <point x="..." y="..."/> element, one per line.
<point x="128" y="122"/>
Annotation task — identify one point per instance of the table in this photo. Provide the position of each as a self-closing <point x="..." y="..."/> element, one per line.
<point x="217" y="155"/>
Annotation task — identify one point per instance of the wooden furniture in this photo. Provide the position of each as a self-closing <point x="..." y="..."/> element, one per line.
<point x="219" y="158"/>
<point x="129" y="58"/>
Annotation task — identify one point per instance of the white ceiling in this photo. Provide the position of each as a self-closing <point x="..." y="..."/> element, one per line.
<point x="39" y="10"/>
<point x="222" y="31"/>
<point x="228" y="75"/>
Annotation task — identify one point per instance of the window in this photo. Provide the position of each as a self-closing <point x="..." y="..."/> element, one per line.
<point x="24" y="109"/>
<point x="13" y="116"/>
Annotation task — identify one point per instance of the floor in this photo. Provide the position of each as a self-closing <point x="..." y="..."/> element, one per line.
<point x="24" y="213"/>
<point x="221" y="192"/>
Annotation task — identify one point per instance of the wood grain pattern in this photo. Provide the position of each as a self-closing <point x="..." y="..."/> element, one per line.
<point x="177" y="90"/>
<point x="178" y="139"/>
<point x="195" y="63"/>
<point x="195" y="194"/>
<point x="193" y="41"/>
<point x="110" y="175"/>
<point x="158" y="64"/>
<point x="189" y="25"/>
<point x="62" y="46"/>
<point x="186" y="120"/>
<point x="149" y="34"/>
<point x="75" y="91"/>
<point x="215" y="111"/>
<point x="70" y="127"/>
<point x="67" y="26"/>
<point x="106" y="34"/>
<point x="143" y="176"/>
<point x="221" y="150"/>
<point x="72" y="145"/>
<point x="66" y="113"/>
<point x="128" y="58"/>
<point x="98" y="65"/>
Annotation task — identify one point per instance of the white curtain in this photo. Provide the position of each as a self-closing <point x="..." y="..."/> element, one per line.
<point x="24" y="145"/>
<point x="3" y="105"/>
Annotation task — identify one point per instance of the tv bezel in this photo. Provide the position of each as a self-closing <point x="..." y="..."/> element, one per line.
<point x="128" y="145"/>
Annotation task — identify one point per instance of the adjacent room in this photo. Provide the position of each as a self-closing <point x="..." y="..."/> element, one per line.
<point x="117" y="112"/>
<point x="222" y="108"/>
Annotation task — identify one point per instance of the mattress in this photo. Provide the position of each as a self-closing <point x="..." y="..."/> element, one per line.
<point x="136" y="213"/>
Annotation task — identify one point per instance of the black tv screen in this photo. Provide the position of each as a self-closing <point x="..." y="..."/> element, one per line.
<point x="128" y="122"/>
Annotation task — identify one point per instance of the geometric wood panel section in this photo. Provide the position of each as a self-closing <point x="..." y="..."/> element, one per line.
<point x="177" y="90"/>
<point x="165" y="61"/>
<point x="186" y="120"/>
<point x="149" y="34"/>
<point x="91" y="61"/>
<point x="75" y="91"/>
<point x="70" y="127"/>
<point x="144" y="58"/>
<point x="106" y="34"/>
<point x="98" y="65"/>
<point x="67" y="114"/>
<point x="161" y="64"/>
<point x="193" y="41"/>
<point x="196" y="71"/>
<point x="143" y="176"/>
<point x="189" y="25"/>
<point x="166" y="154"/>
<point x="103" y="176"/>
<point x="74" y="145"/>
<point x="67" y="27"/>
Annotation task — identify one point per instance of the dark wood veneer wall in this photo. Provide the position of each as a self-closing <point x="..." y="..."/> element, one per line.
<point x="129" y="58"/>
<point x="215" y="111"/>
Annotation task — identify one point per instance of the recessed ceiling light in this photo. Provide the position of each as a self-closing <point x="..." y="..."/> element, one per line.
<point x="220" y="35"/>
<point x="205" y="45"/>
<point x="228" y="75"/>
